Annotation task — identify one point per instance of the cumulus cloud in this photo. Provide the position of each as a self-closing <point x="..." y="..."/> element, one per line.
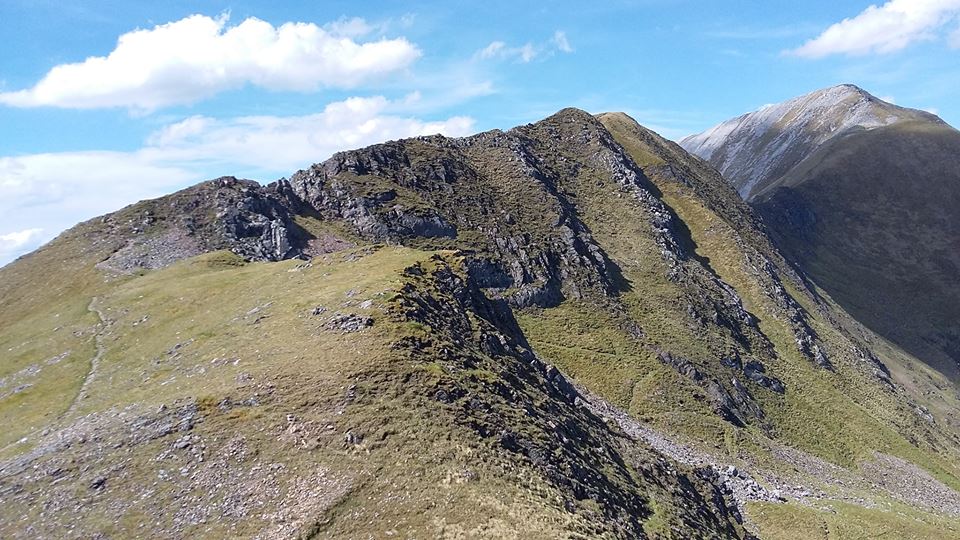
<point x="14" y="242"/>
<point x="286" y="143"/>
<point x="43" y="194"/>
<point x="54" y="191"/>
<point x="196" y="57"/>
<point x="884" y="29"/>
<point x="527" y="52"/>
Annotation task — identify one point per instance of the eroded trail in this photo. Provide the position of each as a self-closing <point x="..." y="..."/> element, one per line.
<point x="101" y="326"/>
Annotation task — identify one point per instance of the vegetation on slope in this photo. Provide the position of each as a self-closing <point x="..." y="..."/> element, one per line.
<point x="412" y="390"/>
<point x="872" y="217"/>
<point x="253" y="399"/>
<point x="862" y="195"/>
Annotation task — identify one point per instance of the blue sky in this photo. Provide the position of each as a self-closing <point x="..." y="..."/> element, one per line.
<point x="104" y="103"/>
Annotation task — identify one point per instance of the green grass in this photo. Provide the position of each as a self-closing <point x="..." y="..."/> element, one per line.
<point x="44" y="299"/>
<point x="213" y="327"/>
<point x="195" y="304"/>
<point x="842" y="417"/>
<point x="216" y="327"/>
<point x="855" y="417"/>
<point x="849" y="522"/>
<point x="297" y="367"/>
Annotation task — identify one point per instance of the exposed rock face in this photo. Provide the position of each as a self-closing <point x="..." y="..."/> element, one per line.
<point x="496" y="193"/>
<point x="254" y="222"/>
<point x="736" y="406"/>
<point x="565" y="441"/>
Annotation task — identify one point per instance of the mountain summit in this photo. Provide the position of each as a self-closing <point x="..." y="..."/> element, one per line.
<point x="760" y="147"/>
<point x="570" y="329"/>
<point x="865" y="197"/>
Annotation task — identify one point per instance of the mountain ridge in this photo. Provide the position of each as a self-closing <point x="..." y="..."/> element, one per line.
<point x="868" y="210"/>
<point x="575" y="316"/>
<point x="763" y="145"/>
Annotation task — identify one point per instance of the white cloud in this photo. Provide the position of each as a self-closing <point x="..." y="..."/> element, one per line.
<point x="499" y="50"/>
<point x="560" y="41"/>
<point x="355" y="27"/>
<point x="492" y="50"/>
<point x="18" y="238"/>
<point x="883" y="29"/>
<point x="47" y="193"/>
<point x="351" y="28"/>
<point x="55" y="191"/>
<point x="199" y="56"/>
<point x="889" y="99"/>
<point x="12" y="244"/>
<point x="954" y="39"/>
<point x="38" y="180"/>
<point x="526" y="52"/>
<point x="277" y="143"/>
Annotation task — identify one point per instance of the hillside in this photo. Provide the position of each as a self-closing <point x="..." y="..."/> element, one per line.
<point x="865" y="199"/>
<point x="569" y="329"/>
<point x="760" y="147"/>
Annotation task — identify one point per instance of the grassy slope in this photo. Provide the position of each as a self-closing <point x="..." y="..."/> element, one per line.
<point x="303" y="430"/>
<point x="851" y="407"/>
<point x="838" y="520"/>
<point x="295" y="367"/>
<point x="245" y="331"/>
<point x="884" y="241"/>
<point x="843" y="418"/>
<point x="44" y="317"/>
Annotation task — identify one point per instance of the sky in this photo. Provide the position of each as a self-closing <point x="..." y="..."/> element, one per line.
<point x="105" y="103"/>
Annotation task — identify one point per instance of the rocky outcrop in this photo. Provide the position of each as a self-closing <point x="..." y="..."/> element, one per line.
<point x="241" y="216"/>
<point x="529" y="246"/>
<point x="599" y="471"/>
<point x="735" y="405"/>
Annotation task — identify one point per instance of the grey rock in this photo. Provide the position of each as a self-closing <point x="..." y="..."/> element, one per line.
<point x="349" y="322"/>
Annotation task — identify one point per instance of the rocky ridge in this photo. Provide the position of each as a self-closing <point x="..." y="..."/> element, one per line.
<point x="577" y="297"/>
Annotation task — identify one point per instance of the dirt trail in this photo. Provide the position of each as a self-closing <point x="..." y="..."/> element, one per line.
<point x="102" y="325"/>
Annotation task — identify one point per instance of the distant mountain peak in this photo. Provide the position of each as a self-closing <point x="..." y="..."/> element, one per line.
<point x="845" y="87"/>
<point x="759" y="147"/>
<point x="572" y="114"/>
<point x="862" y="194"/>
